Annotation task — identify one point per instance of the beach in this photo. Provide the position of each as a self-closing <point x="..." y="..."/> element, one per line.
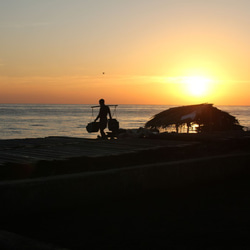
<point x="176" y="191"/>
<point x="124" y="125"/>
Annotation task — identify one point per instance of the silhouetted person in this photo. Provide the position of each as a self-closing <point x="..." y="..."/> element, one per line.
<point x="103" y="113"/>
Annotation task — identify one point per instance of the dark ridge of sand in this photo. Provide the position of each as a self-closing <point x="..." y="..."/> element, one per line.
<point x="74" y="155"/>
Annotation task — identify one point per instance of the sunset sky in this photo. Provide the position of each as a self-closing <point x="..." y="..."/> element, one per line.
<point x="175" y="52"/>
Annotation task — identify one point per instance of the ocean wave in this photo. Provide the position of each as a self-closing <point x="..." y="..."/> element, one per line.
<point x="37" y="125"/>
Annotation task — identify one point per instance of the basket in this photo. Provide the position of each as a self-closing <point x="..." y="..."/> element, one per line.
<point x="93" y="127"/>
<point x="113" y="125"/>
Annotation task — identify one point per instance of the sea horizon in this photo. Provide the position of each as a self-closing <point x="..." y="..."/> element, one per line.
<point x="241" y="105"/>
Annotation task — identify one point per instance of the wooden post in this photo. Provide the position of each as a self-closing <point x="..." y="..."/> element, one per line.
<point x="177" y="128"/>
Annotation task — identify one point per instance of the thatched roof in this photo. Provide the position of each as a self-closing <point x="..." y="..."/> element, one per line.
<point x="206" y="116"/>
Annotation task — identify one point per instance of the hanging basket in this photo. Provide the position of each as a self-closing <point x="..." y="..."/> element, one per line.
<point x="113" y="125"/>
<point x="93" y="127"/>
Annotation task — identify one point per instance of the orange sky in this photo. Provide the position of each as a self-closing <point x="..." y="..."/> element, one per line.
<point x="152" y="52"/>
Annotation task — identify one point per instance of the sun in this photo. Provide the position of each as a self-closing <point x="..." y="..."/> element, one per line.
<point x="196" y="85"/>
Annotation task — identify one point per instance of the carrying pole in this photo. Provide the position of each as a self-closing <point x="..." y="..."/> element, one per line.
<point x="106" y="105"/>
<point x="100" y="106"/>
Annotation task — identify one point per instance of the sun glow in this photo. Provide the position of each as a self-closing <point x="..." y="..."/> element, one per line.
<point x="196" y="85"/>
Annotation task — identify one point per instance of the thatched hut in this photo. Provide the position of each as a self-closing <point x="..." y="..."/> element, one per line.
<point x="205" y="116"/>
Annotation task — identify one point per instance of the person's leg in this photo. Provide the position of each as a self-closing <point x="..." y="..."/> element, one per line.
<point x="103" y="125"/>
<point x="102" y="133"/>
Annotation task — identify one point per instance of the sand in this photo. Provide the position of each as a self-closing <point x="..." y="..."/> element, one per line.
<point x="211" y="213"/>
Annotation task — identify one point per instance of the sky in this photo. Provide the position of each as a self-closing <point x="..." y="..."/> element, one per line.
<point x="173" y="52"/>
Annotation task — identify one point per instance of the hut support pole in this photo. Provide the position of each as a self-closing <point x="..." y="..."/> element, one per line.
<point x="188" y="124"/>
<point x="177" y="128"/>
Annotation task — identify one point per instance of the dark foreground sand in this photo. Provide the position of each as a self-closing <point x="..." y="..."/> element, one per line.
<point x="210" y="215"/>
<point x="214" y="216"/>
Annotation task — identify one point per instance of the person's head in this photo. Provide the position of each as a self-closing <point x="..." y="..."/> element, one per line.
<point x="101" y="101"/>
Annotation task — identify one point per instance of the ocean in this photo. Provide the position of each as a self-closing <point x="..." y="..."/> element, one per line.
<point x="42" y="120"/>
